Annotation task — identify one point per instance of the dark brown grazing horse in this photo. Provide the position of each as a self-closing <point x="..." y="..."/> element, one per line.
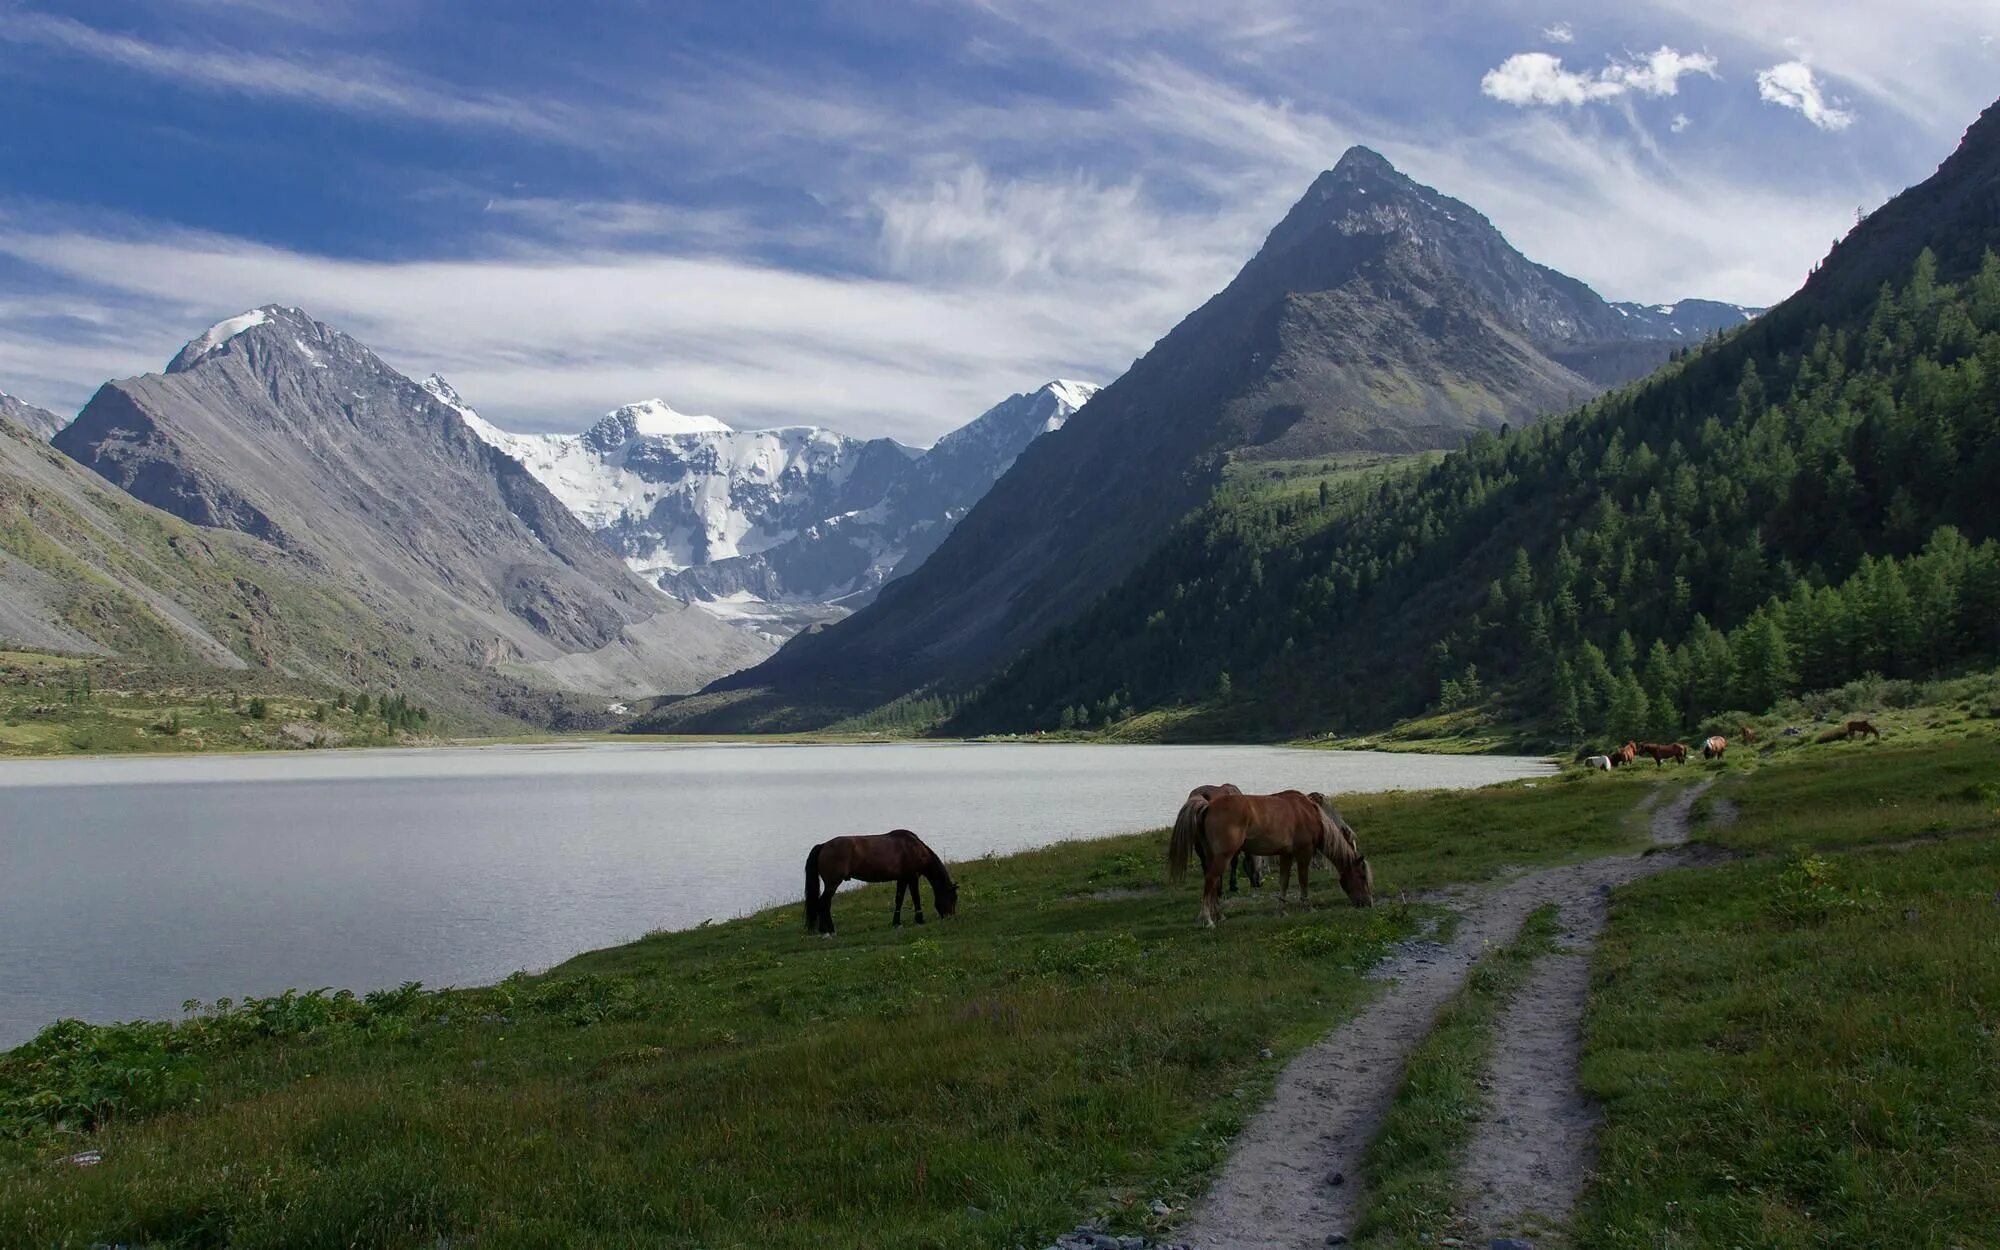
<point x="1289" y="825"/>
<point x="1661" y="752"/>
<point x="1200" y="797"/>
<point x="1714" y="747"/>
<point x="898" y="855"/>
<point x="1862" y="727"/>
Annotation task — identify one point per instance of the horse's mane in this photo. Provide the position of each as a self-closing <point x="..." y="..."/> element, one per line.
<point x="1347" y="848"/>
<point x="933" y="866"/>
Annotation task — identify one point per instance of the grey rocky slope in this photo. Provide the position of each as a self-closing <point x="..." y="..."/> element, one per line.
<point x="37" y="421"/>
<point x="290" y="431"/>
<point x="86" y="569"/>
<point x="1379" y="315"/>
<point x="774" y="529"/>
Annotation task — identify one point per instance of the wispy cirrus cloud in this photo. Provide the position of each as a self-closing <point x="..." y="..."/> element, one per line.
<point x="357" y="85"/>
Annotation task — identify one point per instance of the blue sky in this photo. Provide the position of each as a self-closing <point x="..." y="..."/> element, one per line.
<point x="887" y="216"/>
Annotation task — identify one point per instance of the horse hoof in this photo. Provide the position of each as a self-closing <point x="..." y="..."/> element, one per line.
<point x="826" y="937"/>
<point x="920" y="919"/>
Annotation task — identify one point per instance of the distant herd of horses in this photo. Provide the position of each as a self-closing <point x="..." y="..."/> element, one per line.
<point x="1219" y="825"/>
<point x="1711" y="747"/>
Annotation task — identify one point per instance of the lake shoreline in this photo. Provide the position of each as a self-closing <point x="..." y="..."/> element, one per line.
<point x="147" y="880"/>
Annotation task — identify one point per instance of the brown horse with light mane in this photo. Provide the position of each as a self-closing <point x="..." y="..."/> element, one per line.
<point x="1199" y="798"/>
<point x="898" y="855"/>
<point x="1289" y="825"/>
<point x="1714" y="747"/>
<point x="1626" y="754"/>
<point x="1748" y="735"/>
<point x="1863" y="728"/>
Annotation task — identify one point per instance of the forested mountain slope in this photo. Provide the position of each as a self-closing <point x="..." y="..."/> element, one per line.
<point x="1804" y="501"/>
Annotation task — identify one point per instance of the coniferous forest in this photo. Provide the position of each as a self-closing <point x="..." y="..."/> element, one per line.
<point x="1797" y="504"/>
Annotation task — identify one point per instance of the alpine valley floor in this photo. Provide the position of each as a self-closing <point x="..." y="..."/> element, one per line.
<point x="1781" y="1033"/>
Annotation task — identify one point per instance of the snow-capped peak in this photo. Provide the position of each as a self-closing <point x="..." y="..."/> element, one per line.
<point x="653" y="418"/>
<point x="216" y="335"/>
<point x="442" y="391"/>
<point x="1073" y="394"/>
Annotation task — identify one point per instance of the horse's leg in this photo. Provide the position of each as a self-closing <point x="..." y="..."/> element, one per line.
<point x="896" y="919"/>
<point x="1305" y="891"/>
<point x="1284" y="878"/>
<point x="1256" y="874"/>
<point x="917" y="896"/>
<point x="1211" y="891"/>
<point x="827" y="886"/>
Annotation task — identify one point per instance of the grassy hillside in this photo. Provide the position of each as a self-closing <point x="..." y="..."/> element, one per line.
<point x="87" y="571"/>
<point x="1803" y="1048"/>
<point x="60" y="704"/>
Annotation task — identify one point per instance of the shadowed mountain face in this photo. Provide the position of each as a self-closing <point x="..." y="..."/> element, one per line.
<point x="37" y="421"/>
<point x="1379" y="315"/>
<point x="282" y="428"/>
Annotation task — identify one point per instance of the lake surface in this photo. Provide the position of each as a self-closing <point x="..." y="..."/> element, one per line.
<point x="130" y="885"/>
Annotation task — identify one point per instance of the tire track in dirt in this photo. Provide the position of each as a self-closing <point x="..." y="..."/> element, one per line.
<point x="1294" y="1176"/>
<point x="1535" y="1143"/>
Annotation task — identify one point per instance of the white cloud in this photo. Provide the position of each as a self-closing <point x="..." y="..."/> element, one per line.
<point x="1559" y="32"/>
<point x="1679" y="123"/>
<point x="1532" y="78"/>
<point x="1660" y="71"/>
<point x="1792" y="85"/>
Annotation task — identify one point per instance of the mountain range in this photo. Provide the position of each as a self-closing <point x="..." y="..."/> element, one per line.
<point x="293" y="433"/>
<point x="1379" y="315"/>
<point x="775" y="529"/>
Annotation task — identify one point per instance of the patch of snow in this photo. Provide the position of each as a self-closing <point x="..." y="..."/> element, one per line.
<point x="219" y="333"/>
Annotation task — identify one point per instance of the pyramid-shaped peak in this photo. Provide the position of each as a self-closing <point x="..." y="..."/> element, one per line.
<point x="223" y="332"/>
<point x="1359" y="159"/>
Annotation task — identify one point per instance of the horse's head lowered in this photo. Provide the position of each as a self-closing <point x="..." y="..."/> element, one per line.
<point x="1337" y="842"/>
<point x="945" y="895"/>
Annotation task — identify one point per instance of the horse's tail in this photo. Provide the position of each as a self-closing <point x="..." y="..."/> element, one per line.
<point x="1188" y="834"/>
<point x="812" y="888"/>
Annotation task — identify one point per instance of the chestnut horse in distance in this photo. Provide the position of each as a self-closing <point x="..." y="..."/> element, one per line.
<point x="1200" y="797"/>
<point x="898" y="855"/>
<point x="1288" y="825"/>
